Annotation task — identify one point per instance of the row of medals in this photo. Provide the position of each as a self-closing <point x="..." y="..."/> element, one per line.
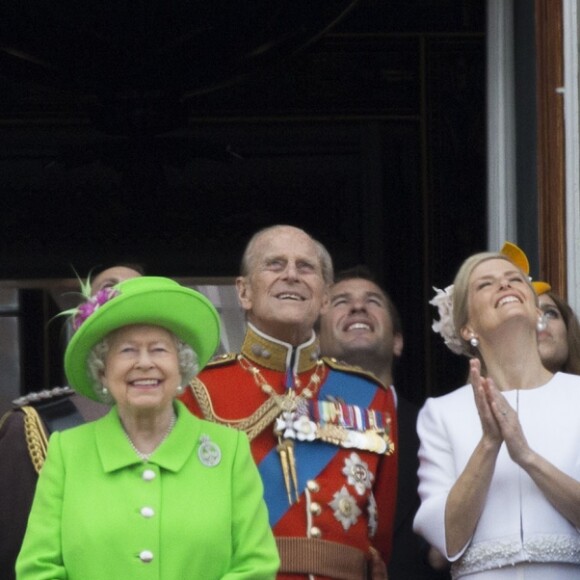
<point x="375" y="439"/>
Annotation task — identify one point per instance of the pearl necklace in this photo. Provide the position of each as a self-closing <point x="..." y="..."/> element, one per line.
<point x="146" y="456"/>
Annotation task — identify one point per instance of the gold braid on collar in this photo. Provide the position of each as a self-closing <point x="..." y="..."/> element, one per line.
<point x="274" y="355"/>
<point x="36" y="439"/>
<point x="253" y="425"/>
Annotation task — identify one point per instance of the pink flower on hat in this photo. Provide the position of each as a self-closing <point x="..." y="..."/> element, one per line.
<point x="85" y="309"/>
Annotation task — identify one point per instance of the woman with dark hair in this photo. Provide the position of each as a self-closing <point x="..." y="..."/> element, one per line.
<point x="559" y="342"/>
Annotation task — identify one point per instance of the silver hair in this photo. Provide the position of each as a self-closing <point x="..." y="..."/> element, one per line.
<point x="323" y="255"/>
<point x="186" y="356"/>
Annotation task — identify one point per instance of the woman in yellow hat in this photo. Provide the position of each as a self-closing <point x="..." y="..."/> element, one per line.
<point x="499" y="461"/>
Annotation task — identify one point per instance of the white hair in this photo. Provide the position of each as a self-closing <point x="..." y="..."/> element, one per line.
<point x="186" y="356"/>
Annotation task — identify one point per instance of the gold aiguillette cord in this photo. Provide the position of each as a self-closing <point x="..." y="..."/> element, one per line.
<point x="286" y="450"/>
<point x="290" y="447"/>
<point x="284" y="461"/>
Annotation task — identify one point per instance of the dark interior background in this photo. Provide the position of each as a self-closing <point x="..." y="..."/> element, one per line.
<point x="361" y="122"/>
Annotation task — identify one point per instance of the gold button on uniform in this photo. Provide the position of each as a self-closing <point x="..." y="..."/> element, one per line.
<point x="313" y="486"/>
<point x="315" y="532"/>
<point x="315" y="508"/>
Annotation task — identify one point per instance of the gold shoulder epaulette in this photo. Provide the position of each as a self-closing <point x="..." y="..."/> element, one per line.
<point x="222" y="359"/>
<point x="36" y="439"/>
<point x="340" y="365"/>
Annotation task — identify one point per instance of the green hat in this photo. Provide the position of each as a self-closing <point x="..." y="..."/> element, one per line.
<point x="144" y="300"/>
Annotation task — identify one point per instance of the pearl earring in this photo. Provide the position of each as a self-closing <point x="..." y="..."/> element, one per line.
<point x="180" y="390"/>
<point x="473" y="341"/>
<point x="104" y="391"/>
<point x="541" y="324"/>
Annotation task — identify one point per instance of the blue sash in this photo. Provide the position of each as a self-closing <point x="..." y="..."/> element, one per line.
<point x="312" y="457"/>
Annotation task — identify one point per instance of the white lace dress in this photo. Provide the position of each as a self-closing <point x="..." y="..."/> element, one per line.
<point x="519" y="534"/>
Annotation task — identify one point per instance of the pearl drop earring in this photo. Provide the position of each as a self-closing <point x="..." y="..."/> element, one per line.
<point x="104" y="391"/>
<point x="541" y="324"/>
<point x="473" y="341"/>
<point x="180" y="390"/>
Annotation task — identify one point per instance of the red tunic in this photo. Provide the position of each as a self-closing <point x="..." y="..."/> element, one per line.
<point x="347" y="486"/>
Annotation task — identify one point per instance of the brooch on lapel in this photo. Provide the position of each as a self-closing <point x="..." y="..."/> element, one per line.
<point x="209" y="452"/>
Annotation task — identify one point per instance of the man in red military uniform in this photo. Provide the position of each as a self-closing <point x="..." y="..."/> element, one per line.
<point x="323" y="434"/>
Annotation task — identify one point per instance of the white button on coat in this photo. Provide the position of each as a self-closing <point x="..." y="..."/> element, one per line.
<point x="148" y="475"/>
<point x="146" y="556"/>
<point x="147" y="512"/>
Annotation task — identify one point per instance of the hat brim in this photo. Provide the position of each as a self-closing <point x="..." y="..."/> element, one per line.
<point x="541" y="287"/>
<point x="517" y="256"/>
<point x="145" y="300"/>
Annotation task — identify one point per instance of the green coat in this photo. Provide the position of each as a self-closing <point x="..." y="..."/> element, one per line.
<point x="99" y="512"/>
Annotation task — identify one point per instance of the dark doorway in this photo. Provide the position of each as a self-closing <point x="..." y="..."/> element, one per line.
<point x="372" y="138"/>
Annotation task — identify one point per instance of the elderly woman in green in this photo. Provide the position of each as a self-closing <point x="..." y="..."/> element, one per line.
<point x="148" y="491"/>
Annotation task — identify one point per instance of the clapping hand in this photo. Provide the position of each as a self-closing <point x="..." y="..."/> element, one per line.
<point x="499" y="419"/>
